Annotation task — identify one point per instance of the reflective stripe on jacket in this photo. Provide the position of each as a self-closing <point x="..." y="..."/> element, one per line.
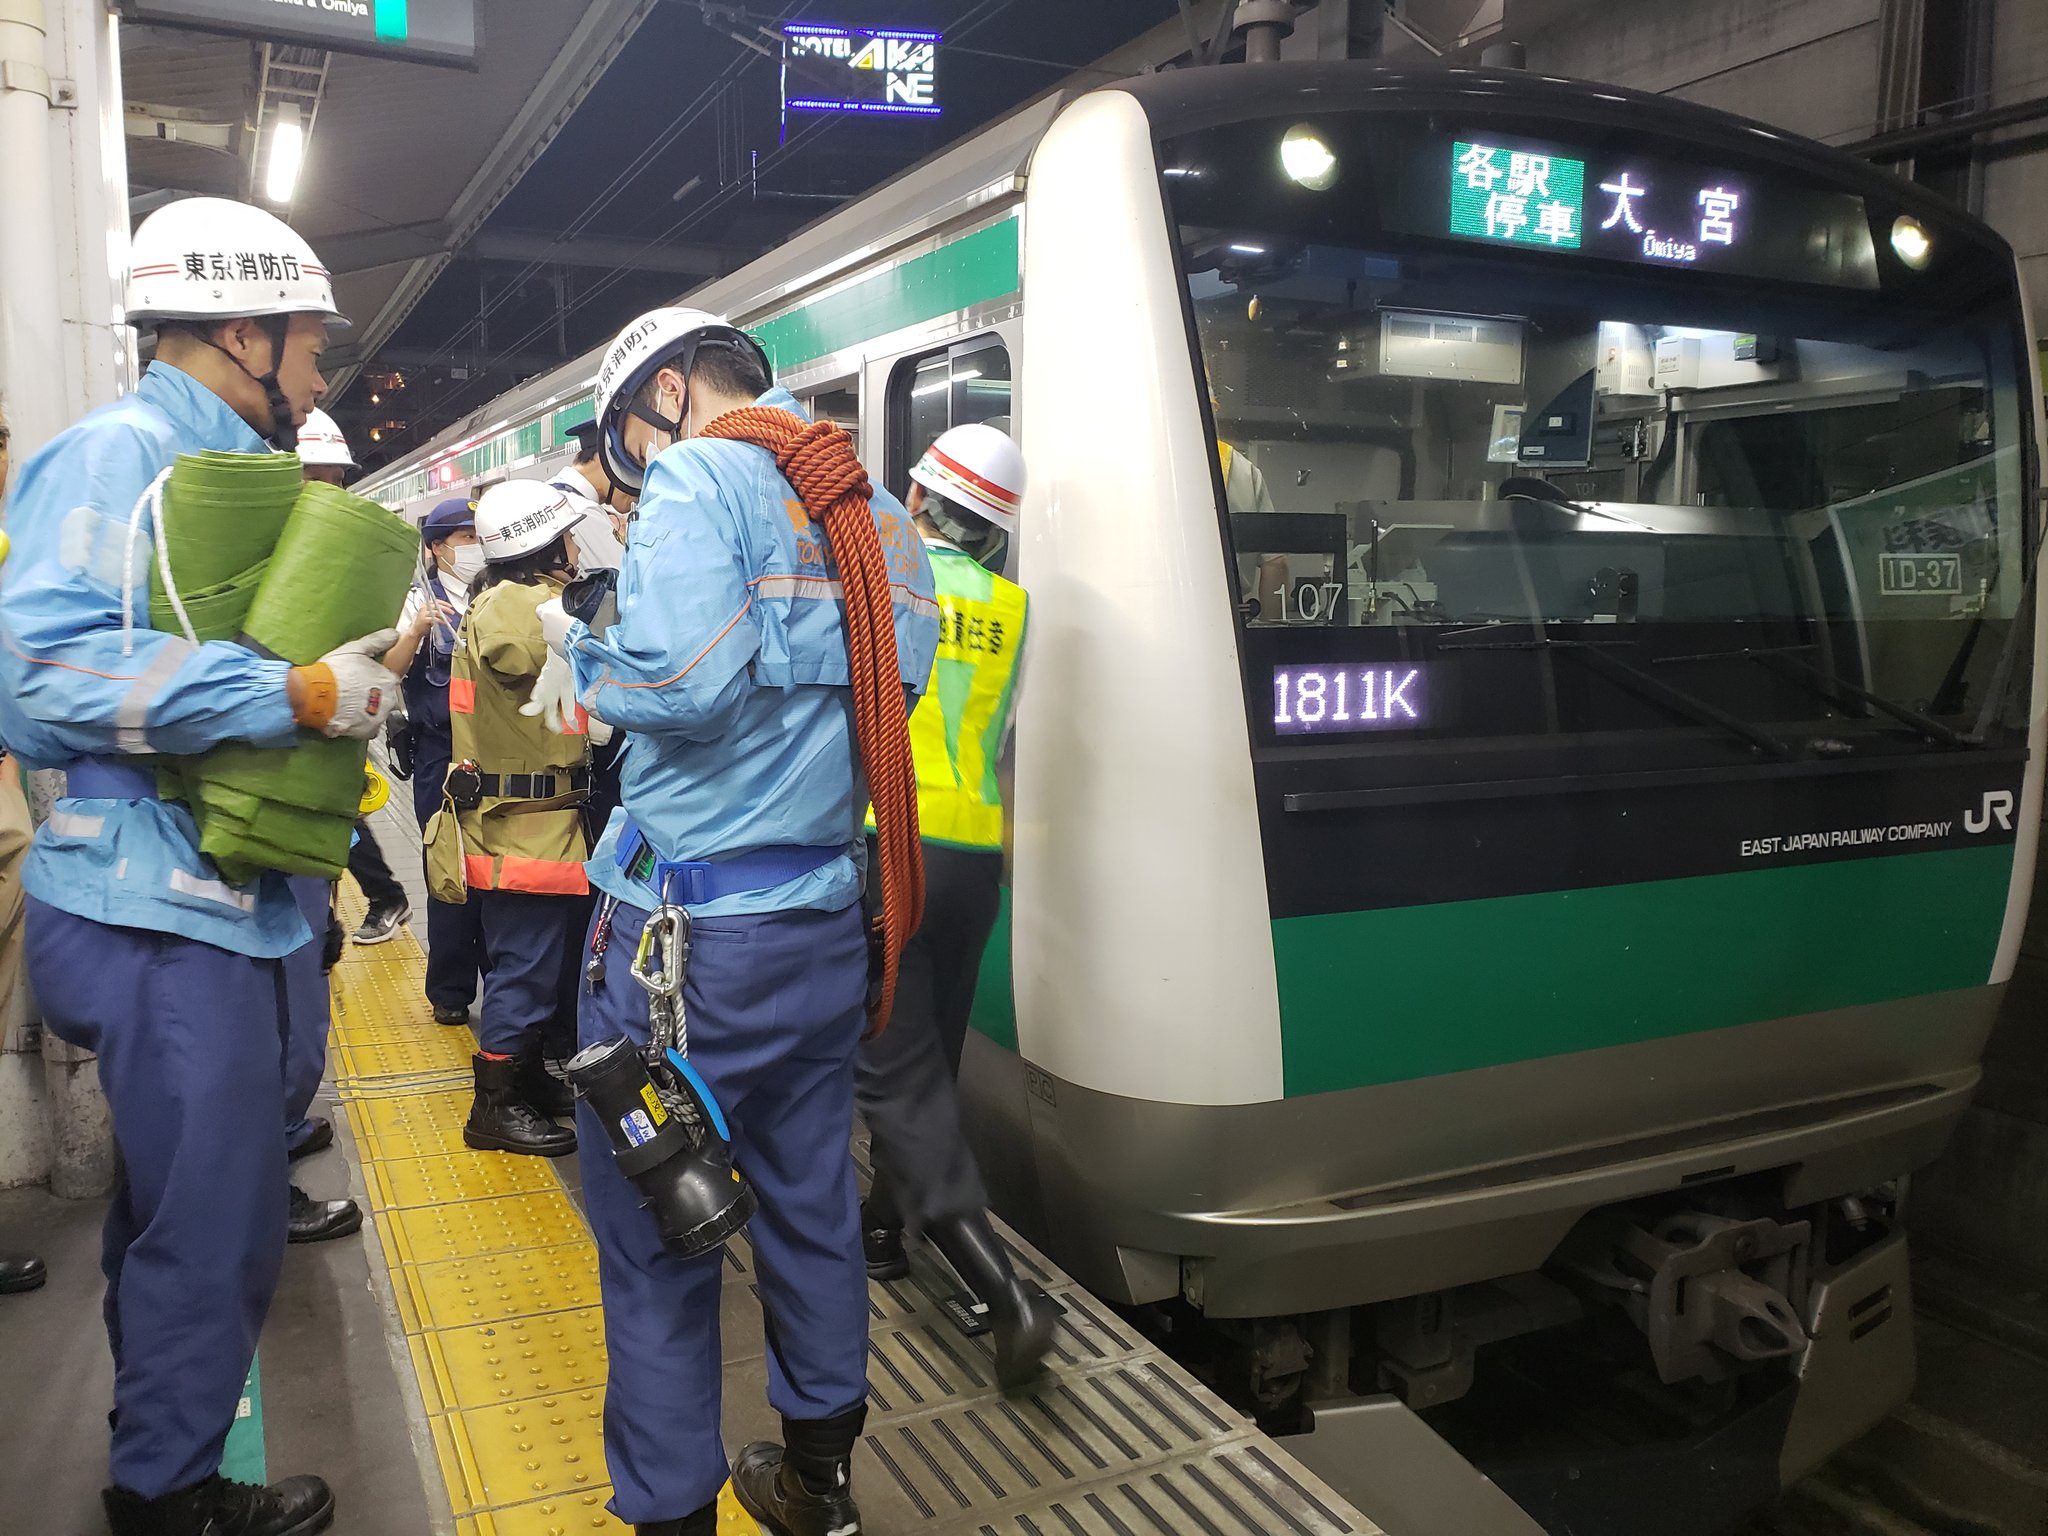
<point x="514" y="844"/>
<point x="82" y="675"/>
<point x="728" y="665"/>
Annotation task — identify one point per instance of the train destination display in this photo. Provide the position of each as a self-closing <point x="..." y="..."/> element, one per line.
<point x="1642" y="208"/>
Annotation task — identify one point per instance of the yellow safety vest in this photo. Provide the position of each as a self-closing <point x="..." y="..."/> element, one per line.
<point x="957" y="729"/>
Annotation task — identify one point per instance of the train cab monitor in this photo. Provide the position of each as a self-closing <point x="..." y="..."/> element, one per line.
<point x="1770" y="465"/>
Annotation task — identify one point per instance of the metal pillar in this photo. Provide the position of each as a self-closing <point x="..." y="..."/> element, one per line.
<point x="31" y="325"/>
<point x="64" y="349"/>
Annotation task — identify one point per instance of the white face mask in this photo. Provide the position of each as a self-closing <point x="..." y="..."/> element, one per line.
<point x="465" y="564"/>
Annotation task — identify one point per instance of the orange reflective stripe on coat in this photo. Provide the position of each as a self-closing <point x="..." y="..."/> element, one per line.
<point x="539" y="877"/>
<point x="461" y="695"/>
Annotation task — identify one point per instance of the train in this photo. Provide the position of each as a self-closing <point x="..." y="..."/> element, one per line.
<point x="1527" y="769"/>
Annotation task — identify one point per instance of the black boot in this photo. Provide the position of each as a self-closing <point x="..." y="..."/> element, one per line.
<point x="806" y="1490"/>
<point x="451" y="1013"/>
<point x="541" y="1088"/>
<point x="1021" y="1316"/>
<point x="502" y="1121"/>
<point x="881" y="1240"/>
<point x="298" y="1506"/>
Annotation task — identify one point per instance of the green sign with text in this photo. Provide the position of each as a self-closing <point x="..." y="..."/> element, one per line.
<point x="428" y="31"/>
<point x="1514" y="196"/>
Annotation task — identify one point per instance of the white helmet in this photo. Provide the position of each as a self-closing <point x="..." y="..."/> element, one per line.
<point x="976" y="468"/>
<point x="211" y="258"/>
<point x="660" y="338"/>
<point x="516" y="517"/>
<point x="321" y="442"/>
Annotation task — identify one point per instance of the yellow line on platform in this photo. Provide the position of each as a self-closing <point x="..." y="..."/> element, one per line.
<point x="491" y="1264"/>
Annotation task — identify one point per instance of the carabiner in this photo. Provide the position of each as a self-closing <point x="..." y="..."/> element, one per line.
<point x="668" y="928"/>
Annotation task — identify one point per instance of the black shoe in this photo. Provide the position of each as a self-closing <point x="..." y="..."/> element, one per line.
<point x="297" y="1506"/>
<point x="502" y="1121"/>
<point x="541" y="1088"/>
<point x="768" y="1489"/>
<point x="21" y="1272"/>
<point x="451" y="1013"/>
<point x="319" y="1137"/>
<point x="318" y="1221"/>
<point x="381" y="924"/>
<point x="1021" y="1316"/>
<point x="886" y="1256"/>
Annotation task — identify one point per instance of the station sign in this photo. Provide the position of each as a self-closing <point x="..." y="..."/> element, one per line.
<point x="842" y="69"/>
<point x="426" y="31"/>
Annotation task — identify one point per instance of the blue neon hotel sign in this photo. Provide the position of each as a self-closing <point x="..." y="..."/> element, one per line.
<point x="844" y="69"/>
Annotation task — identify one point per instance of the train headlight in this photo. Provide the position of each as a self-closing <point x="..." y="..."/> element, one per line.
<point x="1911" y="241"/>
<point x="1307" y="160"/>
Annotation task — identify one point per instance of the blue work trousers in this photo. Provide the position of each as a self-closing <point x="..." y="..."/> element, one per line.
<point x="531" y="939"/>
<point x="307" y="1002"/>
<point x="191" y="1043"/>
<point x="773" y="1008"/>
<point x="455" y="934"/>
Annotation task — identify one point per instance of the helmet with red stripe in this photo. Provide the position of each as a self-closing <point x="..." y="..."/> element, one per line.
<point x="211" y="258"/>
<point x="978" y="469"/>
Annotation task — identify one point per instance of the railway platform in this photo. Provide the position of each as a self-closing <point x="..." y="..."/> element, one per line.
<point x="446" y="1370"/>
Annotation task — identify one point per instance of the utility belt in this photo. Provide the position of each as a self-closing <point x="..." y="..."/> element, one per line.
<point x="103" y="778"/>
<point x="469" y="786"/>
<point x="692" y="882"/>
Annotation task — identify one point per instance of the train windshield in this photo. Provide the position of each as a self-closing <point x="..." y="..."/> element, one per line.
<point x="1538" y="438"/>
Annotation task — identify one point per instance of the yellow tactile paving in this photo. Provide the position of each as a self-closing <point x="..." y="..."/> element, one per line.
<point x="492" y="1268"/>
<point x="429" y="1233"/>
<point x="465" y="1291"/>
<point x="520" y="1357"/>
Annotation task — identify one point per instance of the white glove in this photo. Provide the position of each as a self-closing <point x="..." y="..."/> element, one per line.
<point x="349" y="691"/>
<point x="554" y="625"/>
<point x="554" y="700"/>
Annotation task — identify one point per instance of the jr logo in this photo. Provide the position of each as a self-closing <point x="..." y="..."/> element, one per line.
<point x="1997" y="807"/>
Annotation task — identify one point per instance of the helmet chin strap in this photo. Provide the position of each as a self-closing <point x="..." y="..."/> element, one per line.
<point x="284" y="432"/>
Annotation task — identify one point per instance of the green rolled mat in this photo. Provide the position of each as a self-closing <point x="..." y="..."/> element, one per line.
<point x="223" y="514"/>
<point x="339" y="571"/>
<point x="217" y="612"/>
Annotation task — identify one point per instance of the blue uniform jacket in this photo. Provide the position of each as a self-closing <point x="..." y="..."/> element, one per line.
<point x="74" y="684"/>
<point x="728" y="666"/>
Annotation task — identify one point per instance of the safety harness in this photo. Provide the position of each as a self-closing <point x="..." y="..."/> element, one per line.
<point x="817" y="459"/>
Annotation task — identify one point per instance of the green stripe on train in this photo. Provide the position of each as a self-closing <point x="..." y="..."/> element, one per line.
<point x="1380" y="997"/>
<point x="958" y="275"/>
<point x="1408" y="992"/>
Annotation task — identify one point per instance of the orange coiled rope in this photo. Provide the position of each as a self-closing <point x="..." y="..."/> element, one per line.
<point x="817" y="459"/>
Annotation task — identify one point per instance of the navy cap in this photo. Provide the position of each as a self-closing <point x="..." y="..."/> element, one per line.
<point x="585" y="433"/>
<point x="451" y="516"/>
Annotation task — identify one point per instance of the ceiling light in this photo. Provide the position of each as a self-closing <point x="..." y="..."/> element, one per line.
<point x="1307" y="160"/>
<point x="1249" y="250"/>
<point x="287" y="153"/>
<point x="1911" y="241"/>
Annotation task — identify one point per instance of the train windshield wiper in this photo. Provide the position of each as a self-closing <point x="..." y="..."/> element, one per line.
<point x="1635" y="680"/>
<point x="1783" y="661"/>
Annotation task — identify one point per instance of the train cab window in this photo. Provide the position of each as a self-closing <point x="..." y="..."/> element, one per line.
<point x="936" y="391"/>
<point x="1604" y="503"/>
<point x="838" y="403"/>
